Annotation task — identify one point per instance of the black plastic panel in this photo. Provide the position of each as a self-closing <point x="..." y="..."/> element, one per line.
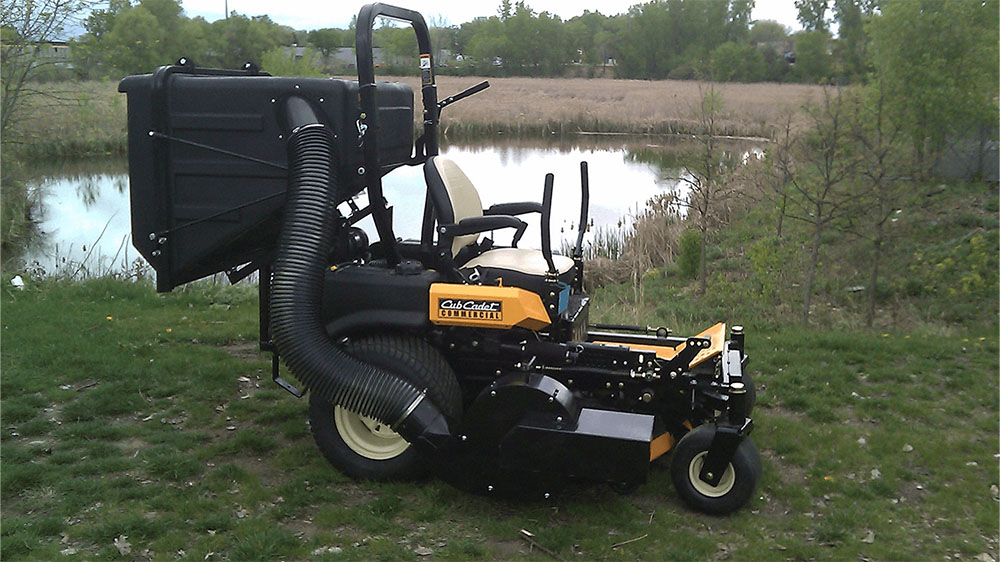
<point x="363" y="297"/>
<point x="208" y="160"/>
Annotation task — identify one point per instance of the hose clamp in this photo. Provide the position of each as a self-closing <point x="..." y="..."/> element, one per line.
<point x="409" y="410"/>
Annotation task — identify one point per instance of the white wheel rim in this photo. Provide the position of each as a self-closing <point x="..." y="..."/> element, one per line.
<point x="367" y="437"/>
<point x="704" y="488"/>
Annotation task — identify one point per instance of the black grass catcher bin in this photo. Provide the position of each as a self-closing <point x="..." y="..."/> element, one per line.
<point x="208" y="162"/>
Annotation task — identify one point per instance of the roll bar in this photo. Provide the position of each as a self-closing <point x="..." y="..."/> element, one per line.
<point x="368" y="120"/>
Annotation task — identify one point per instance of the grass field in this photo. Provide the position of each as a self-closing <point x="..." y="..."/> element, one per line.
<point x="140" y="426"/>
<point x="89" y="118"/>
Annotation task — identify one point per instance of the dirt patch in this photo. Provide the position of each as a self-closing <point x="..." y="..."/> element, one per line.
<point x="132" y="445"/>
<point x="245" y="350"/>
<point x="505" y="549"/>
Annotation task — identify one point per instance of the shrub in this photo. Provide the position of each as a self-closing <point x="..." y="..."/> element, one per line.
<point x="689" y="254"/>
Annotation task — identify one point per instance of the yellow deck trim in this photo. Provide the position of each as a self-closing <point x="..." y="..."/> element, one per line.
<point x="660" y="446"/>
<point x="716" y="333"/>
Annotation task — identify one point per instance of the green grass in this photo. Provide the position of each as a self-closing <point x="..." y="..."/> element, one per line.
<point x="119" y="426"/>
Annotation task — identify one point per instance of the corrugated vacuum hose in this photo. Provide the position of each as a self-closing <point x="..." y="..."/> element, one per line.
<point x="307" y="232"/>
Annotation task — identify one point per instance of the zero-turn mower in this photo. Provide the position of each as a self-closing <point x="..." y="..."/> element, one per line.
<point x="446" y="354"/>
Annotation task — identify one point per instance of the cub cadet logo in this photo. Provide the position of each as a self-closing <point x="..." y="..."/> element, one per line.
<point x="470" y="309"/>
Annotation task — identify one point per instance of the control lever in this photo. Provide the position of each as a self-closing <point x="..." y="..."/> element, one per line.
<point x="584" y="209"/>
<point x="546" y="224"/>
<point x="463" y="94"/>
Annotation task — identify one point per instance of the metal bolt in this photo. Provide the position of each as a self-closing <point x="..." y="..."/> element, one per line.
<point x="647" y="397"/>
<point x="151" y="133"/>
<point x="607" y="385"/>
<point x="551" y="399"/>
<point x="281" y="137"/>
<point x="363" y="115"/>
<point x="361" y="171"/>
<point x="296" y="86"/>
<point x="156" y="253"/>
<point x="551" y="294"/>
<point x="517" y="365"/>
<point x="489" y="488"/>
<point x="621" y="385"/>
<point x="161" y="240"/>
<point x="499" y="372"/>
<point x="570" y="381"/>
<point x="273" y="100"/>
<point x="493" y="393"/>
<point x="552" y="307"/>
<point x="558" y="419"/>
<point x="547" y="495"/>
<point x="475" y="343"/>
<point x="465" y="437"/>
<point x="321" y="100"/>
<point x="152" y="236"/>
<point x="709" y="475"/>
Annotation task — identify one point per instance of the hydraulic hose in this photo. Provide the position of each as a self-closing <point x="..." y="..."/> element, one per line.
<point x="307" y="232"/>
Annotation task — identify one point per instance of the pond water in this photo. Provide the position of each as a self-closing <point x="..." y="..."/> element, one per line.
<point x="84" y="221"/>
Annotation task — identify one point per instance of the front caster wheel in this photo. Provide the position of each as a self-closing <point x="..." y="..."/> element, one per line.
<point x="738" y="481"/>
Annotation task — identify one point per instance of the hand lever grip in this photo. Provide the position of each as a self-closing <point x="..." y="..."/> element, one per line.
<point x="584" y="209"/>
<point x="546" y="224"/>
<point x="463" y="94"/>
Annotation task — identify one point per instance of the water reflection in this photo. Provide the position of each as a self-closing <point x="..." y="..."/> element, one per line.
<point x="83" y="211"/>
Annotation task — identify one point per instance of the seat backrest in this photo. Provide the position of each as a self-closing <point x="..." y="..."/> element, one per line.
<point x="453" y="195"/>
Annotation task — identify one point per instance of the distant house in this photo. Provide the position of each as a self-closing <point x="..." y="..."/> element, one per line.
<point x="49" y="52"/>
<point x="54" y="50"/>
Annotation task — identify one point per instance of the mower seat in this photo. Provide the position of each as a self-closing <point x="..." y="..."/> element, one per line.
<point x="455" y="199"/>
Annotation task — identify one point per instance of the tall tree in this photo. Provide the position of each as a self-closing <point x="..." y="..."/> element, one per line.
<point x="739" y="19"/>
<point x="938" y="64"/>
<point x="706" y="178"/>
<point x="852" y="41"/>
<point x="812" y="14"/>
<point x="813" y="62"/>
<point x="820" y="189"/>
<point x="326" y="40"/>
<point x="26" y="26"/>
<point x="880" y="167"/>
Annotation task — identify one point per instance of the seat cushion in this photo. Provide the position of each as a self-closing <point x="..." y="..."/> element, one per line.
<point x="514" y="267"/>
<point x="528" y="262"/>
<point x="453" y="195"/>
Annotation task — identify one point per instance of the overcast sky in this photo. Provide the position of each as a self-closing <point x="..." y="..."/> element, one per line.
<point x="313" y="14"/>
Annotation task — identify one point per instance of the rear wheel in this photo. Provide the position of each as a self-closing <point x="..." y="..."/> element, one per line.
<point x="738" y="480"/>
<point x="362" y="447"/>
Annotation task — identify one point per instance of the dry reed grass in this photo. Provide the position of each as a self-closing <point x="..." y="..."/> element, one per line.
<point x="76" y="118"/>
<point x="648" y="243"/>
<point x="633" y="106"/>
<point x="73" y="119"/>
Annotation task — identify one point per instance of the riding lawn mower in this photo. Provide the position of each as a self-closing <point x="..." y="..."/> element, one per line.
<point x="450" y="354"/>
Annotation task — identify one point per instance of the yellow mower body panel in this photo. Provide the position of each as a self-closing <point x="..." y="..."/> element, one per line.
<point x="486" y="306"/>
<point x="716" y="333"/>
